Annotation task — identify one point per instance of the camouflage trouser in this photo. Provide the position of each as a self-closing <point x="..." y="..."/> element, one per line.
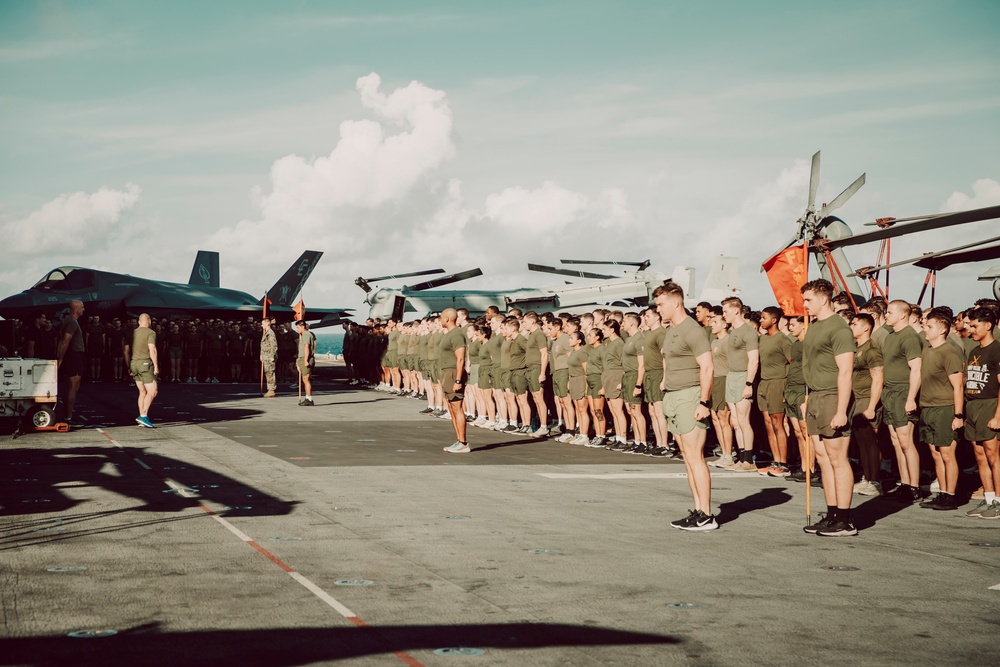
<point x="269" y="374"/>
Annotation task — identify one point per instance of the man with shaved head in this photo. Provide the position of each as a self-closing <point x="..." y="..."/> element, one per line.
<point x="451" y="364"/>
<point x="143" y="363"/>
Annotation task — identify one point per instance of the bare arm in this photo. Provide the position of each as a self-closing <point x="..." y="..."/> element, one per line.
<point x="154" y="355"/>
<point x="459" y="364"/>
<point x="637" y="391"/>
<point x="706" y="375"/>
<point x="845" y="368"/>
<point x="63" y="346"/>
<point x="877" y="382"/>
<point x="911" y="396"/>
<point x="753" y="361"/>
<point x="957" y="384"/>
<point x="545" y="363"/>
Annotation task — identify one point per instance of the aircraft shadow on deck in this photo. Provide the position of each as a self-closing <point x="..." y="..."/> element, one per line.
<point x="32" y="481"/>
<point x="287" y="647"/>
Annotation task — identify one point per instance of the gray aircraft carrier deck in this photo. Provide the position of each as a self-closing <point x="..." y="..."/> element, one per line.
<point x="254" y="531"/>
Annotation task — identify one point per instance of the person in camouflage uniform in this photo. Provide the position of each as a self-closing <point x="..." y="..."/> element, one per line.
<point x="268" y="353"/>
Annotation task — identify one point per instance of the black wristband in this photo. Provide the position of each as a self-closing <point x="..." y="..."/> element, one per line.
<point x="959" y="415"/>
<point x="707" y="404"/>
<point x="749" y="384"/>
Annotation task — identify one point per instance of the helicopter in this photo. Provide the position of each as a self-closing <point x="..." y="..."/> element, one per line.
<point x="632" y="289"/>
<point x="824" y="236"/>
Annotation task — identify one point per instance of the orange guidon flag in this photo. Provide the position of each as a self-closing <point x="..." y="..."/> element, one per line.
<point x="787" y="273"/>
<point x="300" y="310"/>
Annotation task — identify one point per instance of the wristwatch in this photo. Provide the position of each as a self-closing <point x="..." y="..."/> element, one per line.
<point x="749" y="384"/>
<point x="707" y="404"/>
<point x="638" y="386"/>
<point x="959" y="415"/>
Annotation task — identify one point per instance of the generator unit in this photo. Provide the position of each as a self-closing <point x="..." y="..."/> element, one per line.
<point x="28" y="390"/>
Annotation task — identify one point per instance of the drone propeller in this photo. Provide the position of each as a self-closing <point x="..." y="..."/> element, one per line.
<point x="927" y="224"/>
<point x="567" y="272"/>
<point x="446" y="280"/>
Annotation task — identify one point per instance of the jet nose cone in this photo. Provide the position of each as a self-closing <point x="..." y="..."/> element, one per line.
<point x="17" y="305"/>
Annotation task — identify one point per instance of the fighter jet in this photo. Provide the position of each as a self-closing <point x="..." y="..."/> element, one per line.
<point x="119" y="295"/>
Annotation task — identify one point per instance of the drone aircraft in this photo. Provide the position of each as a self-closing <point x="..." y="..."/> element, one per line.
<point x="632" y="289"/>
<point x="823" y="236"/>
<point x="118" y="295"/>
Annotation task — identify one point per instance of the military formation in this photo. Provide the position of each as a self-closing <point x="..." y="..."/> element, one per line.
<point x="855" y="400"/>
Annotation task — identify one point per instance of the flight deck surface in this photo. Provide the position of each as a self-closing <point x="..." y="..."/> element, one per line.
<point x="254" y="531"/>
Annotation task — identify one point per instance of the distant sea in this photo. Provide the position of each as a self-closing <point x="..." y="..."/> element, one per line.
<point x="329" y="343"/>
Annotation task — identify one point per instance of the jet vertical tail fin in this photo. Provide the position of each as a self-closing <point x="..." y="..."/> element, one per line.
<point x="289" y="285"/>
<point x="723" y="280"/>
<point x="205" y="271"/>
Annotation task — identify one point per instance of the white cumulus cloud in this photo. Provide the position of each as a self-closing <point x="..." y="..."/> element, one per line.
<point x="985" y="192"/>
<point x="71" y="222"/>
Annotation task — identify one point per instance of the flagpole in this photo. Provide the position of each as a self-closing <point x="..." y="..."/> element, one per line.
<point x="805" y="401"/>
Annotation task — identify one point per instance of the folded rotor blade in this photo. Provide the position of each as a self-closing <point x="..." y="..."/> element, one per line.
<point x="813" y="182"/>
<point x="936" y="222"/>
<point x="446" y="280"/>
<point x="931" y="260"/>
<point x="643" y="265"/>
<point x="405" y="275"/>
<point x="568" y="272"/>
<point x="967" y="257"/>
<point x="842" y="198"/>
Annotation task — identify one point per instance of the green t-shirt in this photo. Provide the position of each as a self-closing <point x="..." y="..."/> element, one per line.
<point x="535" y="342"/>
<point x="742" y="341"/>
<point x="450" y="342"/>
<point x="825" y="340"/>
<point x="434" y="346"/>
<point x="559" y="353"/>
<point x="71" y="326"/>
<point x="393" y="345"/>
<point x="682" y="346"/>
<point x="504" y="353"/>
<point x="719" y="359"/>
<point x="518" y="348"/>
<point x="878" y="336"/>
<point x="473" y="350"/>
<point x="775" y="352"/>
<point x="936" y="365"/>
<point x="492" y="348"/>
<point x="307" y="339"/>
<point x="898" y="349"/>
<point x="652" y="349"/>
<point x="142" y="338"/>
<point x="577" y="358"/>
<point x="614" y="350"/>
<point x="595" y="359"/>
<point x="422" y="345"/>
<point x="633" y="348"/>
<point x="795" y="377"/>
<point x="866" y="357"/>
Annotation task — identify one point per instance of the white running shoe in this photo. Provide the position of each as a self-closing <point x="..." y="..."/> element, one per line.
<point x="458" y="448"/>
<point x="722" y="461"/>
<point x="479" y="421"/>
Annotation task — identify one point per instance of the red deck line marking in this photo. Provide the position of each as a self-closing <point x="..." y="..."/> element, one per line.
<point x="306" y="583"/>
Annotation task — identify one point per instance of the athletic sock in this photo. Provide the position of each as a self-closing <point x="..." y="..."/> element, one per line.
<point x="831" y="512"/>
<point x="990" y="497"/>
<point x="844" y="514"/>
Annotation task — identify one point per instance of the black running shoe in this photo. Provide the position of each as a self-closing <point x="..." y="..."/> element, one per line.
<point x="797" y="476"/>
<point x="932" y="503"/>
<point x="822" y="524"/>
<point x="657" y="452"/>
<point x="701" y="522"/>
<point x="426" y="411"/>
<point x="686" y="521"/>
<point x="948" y="502"/>
<point x="838" y="529"/>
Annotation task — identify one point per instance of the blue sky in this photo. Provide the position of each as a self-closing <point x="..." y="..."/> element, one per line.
<point x="494" y="134"/>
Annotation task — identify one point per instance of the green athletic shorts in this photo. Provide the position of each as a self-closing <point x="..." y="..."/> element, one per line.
<point x="531" y="375"/>
<point x="577" y="386"/>
<point x="736" y="382"/>
<point x="519" y="381"/>
<point x="485" y="377"/>
<point x="978" y="414"/>
<point x="679" y="407"/>
<point x="628" y="388"/>
<point x="820" y="410"/>
<point x="771" y="396"/>
<point x="935" y="426"/>
<point x="894" y="405"/>
<point x="142" y="370"/>
<point x="719" y="403"/>
<point x="594" y="385"/>
<point x="651" y="392"/>
<point x="795" y="396"/>
<point x="560" y="382"/>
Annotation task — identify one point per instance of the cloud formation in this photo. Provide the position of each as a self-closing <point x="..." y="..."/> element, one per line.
<point x="985" y="192"/>
<point x="71" y="222"/>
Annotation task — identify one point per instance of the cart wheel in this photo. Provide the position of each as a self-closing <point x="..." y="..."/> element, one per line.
<point x="42" y="417"/>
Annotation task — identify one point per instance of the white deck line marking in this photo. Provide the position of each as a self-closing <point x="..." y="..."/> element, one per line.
<point x="995" y="588"/>
<point x="637" y="475"/>
<point x="325" y="597"/>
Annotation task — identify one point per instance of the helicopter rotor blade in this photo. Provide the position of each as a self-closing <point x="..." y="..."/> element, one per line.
<point x="813" y="182"/>
<point x="404" y="275"/>
<point x="567" y="272"/>
<point x="934" y="260"/>
<point x="641" y="265"/>
<point x="842" y="198"/>
<point x="936" y="222"/>
<point x="446" y="280"/>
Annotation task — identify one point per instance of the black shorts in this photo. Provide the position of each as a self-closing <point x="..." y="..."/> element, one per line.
<point x="73" y="364"/>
